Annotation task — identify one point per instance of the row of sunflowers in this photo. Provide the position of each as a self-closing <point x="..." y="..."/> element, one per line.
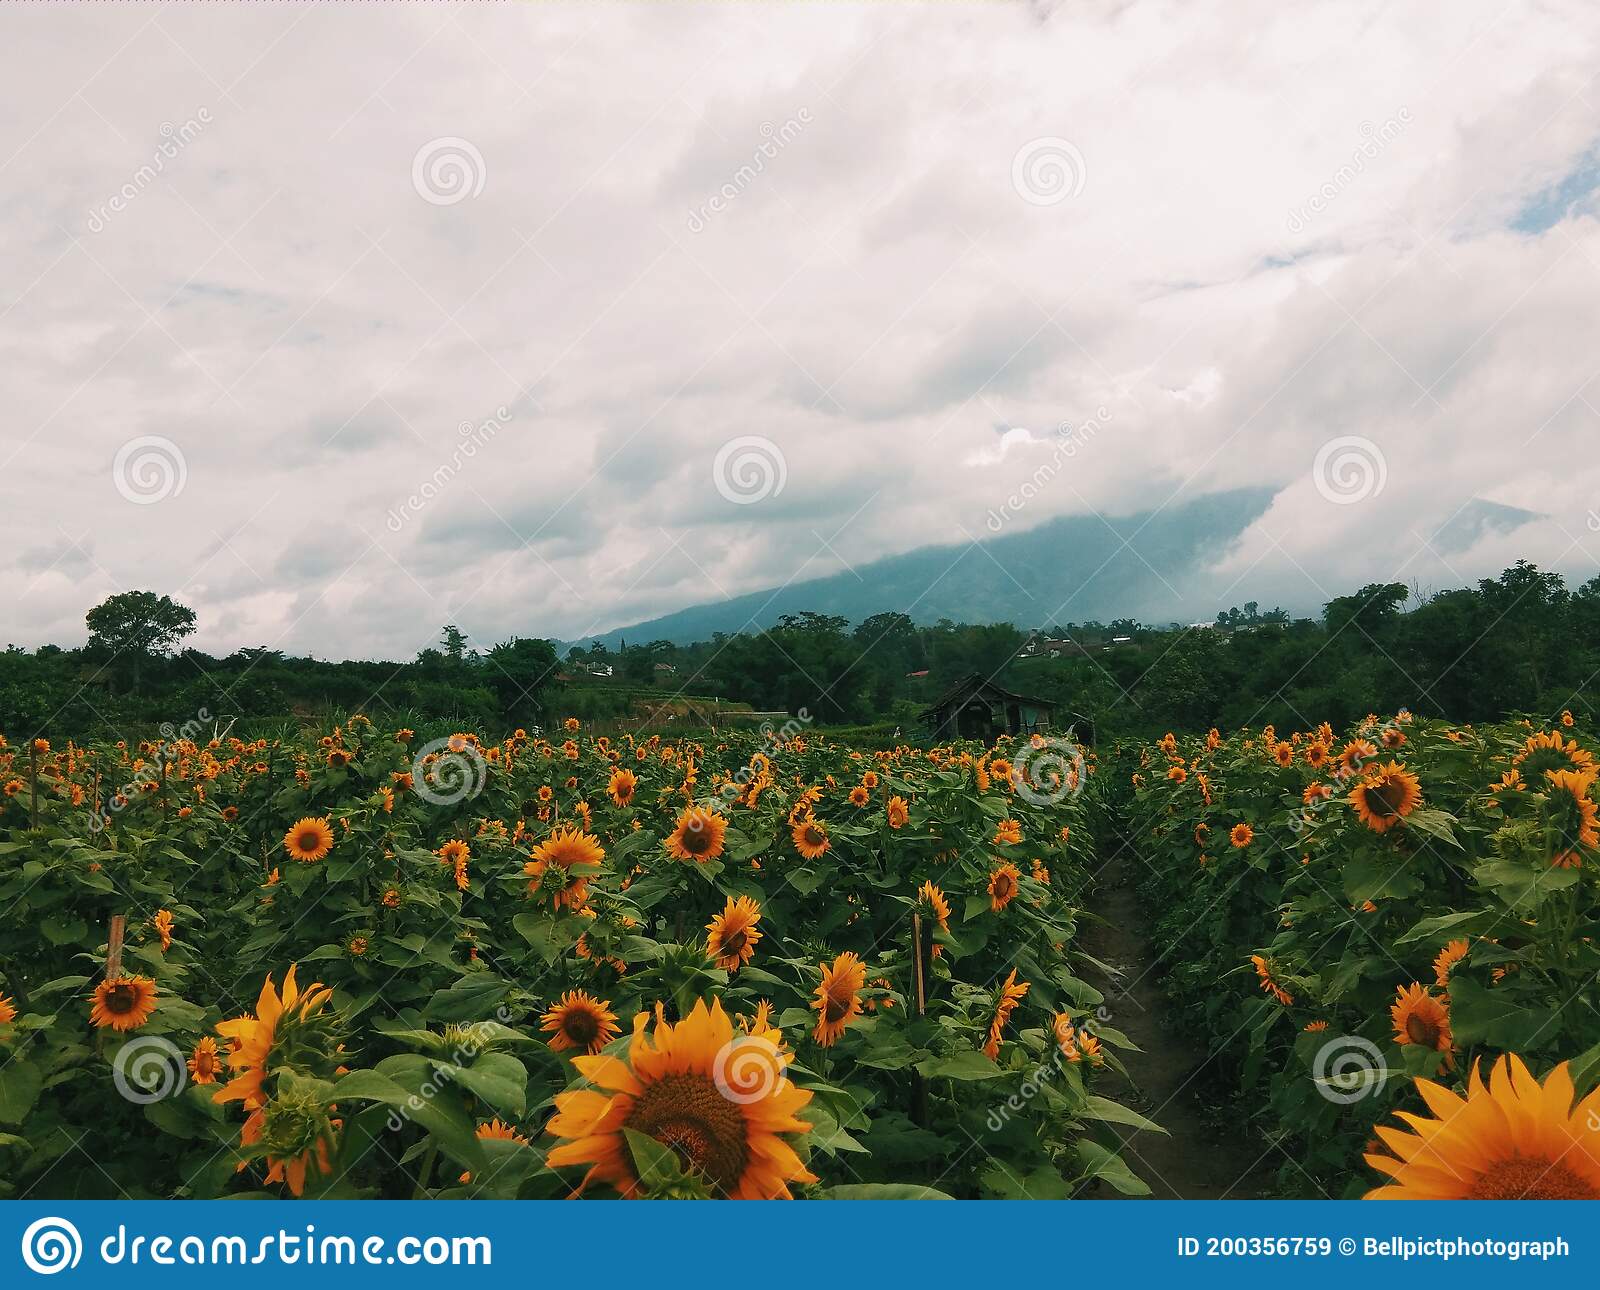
<point x="1398" y="920"/>
<point x="368" y="964"/>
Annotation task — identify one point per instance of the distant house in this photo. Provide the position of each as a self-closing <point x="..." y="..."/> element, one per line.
<point x="976" y="708"/>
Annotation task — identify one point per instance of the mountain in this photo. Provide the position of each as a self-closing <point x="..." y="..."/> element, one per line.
<point x="1150" y="566"/>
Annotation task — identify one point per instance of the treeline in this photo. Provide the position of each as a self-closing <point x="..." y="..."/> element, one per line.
<point x="1524" y="642"/>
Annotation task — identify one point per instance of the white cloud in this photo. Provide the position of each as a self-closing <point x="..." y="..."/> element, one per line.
<point x="280" y="302"/>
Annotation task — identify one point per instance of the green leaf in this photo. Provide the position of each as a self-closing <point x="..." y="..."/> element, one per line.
<point x="884" y="1191"/>
<point x="1500" y="1017"/>
<point x="498" y="1079"/>
<point x="1103" y="1163"/>
<point x="1103" y="1108"/>
<point x="469" y="999"/>
<point x="19" y="1089"/>
<point x="962" y="1066"/>
<point x="657" y="1165"/>
<point x="436" y="1111"/>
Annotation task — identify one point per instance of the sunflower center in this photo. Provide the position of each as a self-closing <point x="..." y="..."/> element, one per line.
<point x="1386" y="798"/>
<point x="308" y="840"/>
<point x="581" y="1025"/>
<point x="733" y="942"/>
<point x="1422" y="1031"/>
<point x="1522" y="1178"/>
<point x="121" y="1000"/>
<point x="815" y="836"/>
<point x="838" y="1006"/>
<point x="689" y="1114"/>
<point x="696" y="837"/>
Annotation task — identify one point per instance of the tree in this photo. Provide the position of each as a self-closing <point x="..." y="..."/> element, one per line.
<point x="134" y="627"/>
<point x="517" y="671"/>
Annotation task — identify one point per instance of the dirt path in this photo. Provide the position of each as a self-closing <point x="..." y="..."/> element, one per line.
<point x="1192" y="1161"/>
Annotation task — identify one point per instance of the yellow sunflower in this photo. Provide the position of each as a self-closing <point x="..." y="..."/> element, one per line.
<point x="698" y="835"/>
<point x="810" y="837"/>
<point x="1011" y="994"/>
<point x="1269" y="983"/>
<point x="898" y="812"/>
<point x="623" y="785"/>
<point x="1420" y="1018"/>
<point x="1512" y="1139"/>
<point x="251" y="1040"/>
<point x="732" y="942"/>
<point x="8" y="1010"/>
<point x="580" y="1021"/>
<point x="1573" y="815"/>
<point x="1003" y="886"/>
<point x="1386" y="796"/>
<point x="309" y="840"/>
<point x="205" y="1063"/>
<point x="1448" y="957"/>
<point x="123" y="1002"/>
<point x="672" y="1088"/>
<point x="837" y="1001"/>
<point x="570" y="848"/>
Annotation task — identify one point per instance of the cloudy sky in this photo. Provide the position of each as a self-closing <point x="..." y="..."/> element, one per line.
<point x="340" y="322"/>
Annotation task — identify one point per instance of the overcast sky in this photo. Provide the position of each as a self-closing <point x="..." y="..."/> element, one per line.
<point x="339" y="323"/>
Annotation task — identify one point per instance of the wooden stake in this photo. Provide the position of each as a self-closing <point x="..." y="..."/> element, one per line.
<point x="919" y="1085"/>
<point x="119" y="925"/>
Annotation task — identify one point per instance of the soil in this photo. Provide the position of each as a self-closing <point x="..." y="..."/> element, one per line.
<point x="1166" y="1080"/>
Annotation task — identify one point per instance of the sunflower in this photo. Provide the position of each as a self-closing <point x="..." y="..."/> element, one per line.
<point x="1241" y="835"/>
<point x="1316" y="754"/>
<point x="1552" y="751"/>
<point x="1512" y="1139"/>
<point x="1449" y="956"/>
<point x="1573" y="814"/>
<point x="1386" y="796"/>
<point x="580" y="1021"/>
<point x="623" y="785"/>
<point x="1314" y="1027"/>
<point x="123" y="1002"/>
<point x="205" y="1063"/>
<point x="937" y="904"/>
<point x="1420" y="1018"/>
<point x="8" y="1010"/>
<point x="496" y="1131"/>
<point x="697" y="836"/>
<point x="162" y="923"/>
<point x="253" y="1042"/>
<point x="1008" y="833"/>
<point x="859" y="796"/>
<point x="734" y="933"/>
<point x="1269" y="983"/>
<point x="1354" y="755"/>
<point x="674" y="1088"/>
<point x="570" y="848"/>
<point x="454" y="851"/>
<point x="810" y="837"/>
<point x="837" y="1002"/>
<point x="898" y="812"/>
<point x="1011" y="994"/>
<point x="308" y="840"/>
<point x="1003" y="886"/>
<point x="1283" y="754"/>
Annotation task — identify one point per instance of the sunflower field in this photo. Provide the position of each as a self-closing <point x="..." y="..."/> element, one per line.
<point x="365" y="964"/>
<point x="1398" y="919"/>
